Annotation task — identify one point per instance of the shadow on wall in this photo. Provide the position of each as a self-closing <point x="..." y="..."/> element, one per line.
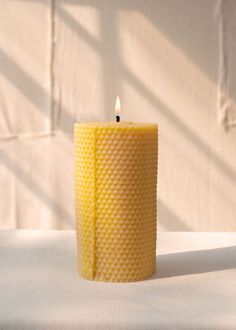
<point x="49" y="201"/>
<point x="17" y="76"/>
<point x="168" y="219"/>
<point x="114" y="71"/>
<point x="164" y="16"/>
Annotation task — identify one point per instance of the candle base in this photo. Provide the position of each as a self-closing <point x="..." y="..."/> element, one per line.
<point x="118" y="279"/>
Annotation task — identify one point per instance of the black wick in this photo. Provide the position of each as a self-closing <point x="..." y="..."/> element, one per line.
<point x="117" y="119"/>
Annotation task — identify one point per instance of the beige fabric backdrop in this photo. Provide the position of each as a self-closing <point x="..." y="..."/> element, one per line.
<point x="171" y="62"/>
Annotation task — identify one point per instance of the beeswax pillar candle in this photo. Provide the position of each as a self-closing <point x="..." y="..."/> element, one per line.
<point x="115" y="184"/>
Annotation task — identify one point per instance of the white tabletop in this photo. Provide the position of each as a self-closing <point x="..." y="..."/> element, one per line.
<point x="194" y="288"/>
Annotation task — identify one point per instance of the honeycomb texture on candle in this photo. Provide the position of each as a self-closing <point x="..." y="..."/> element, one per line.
<point x="115" y="183"/>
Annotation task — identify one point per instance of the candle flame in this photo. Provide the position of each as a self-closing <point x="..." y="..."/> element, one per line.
<point x="117" y="107"/>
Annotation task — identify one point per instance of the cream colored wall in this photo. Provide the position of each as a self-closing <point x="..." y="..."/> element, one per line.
<point x="171" y="62"/>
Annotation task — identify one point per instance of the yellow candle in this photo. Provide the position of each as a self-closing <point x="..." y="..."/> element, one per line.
<point x="115" y="184"/>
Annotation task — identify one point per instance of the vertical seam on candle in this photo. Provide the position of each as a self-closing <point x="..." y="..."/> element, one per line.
<point x="156" y="206"/>
<point x="95" y="213"/>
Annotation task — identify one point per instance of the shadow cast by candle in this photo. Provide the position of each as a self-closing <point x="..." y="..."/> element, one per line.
<point x="195" y="262"/>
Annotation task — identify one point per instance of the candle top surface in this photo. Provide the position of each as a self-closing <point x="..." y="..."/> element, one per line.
<point x="121" y="124"/>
